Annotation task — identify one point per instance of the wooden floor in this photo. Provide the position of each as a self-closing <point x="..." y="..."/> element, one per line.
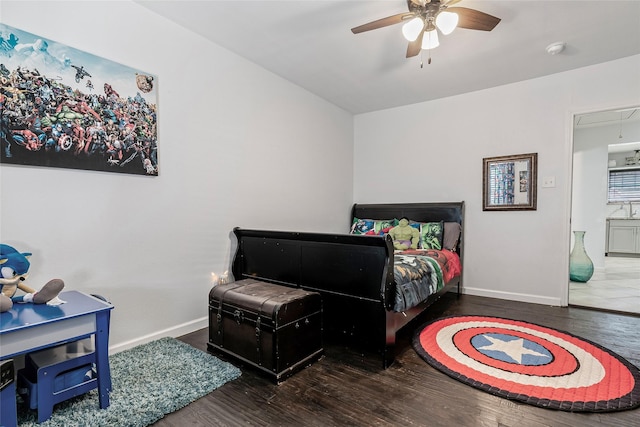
<point x="349" y="388"/>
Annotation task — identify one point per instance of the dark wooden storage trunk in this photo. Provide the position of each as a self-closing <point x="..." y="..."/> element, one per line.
<point x="275" y="328"/>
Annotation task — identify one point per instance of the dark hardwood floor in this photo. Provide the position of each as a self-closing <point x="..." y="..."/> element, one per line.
<point x="348" y="388"/>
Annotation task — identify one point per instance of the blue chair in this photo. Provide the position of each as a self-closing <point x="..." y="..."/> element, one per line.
<point x="57" y="374"/>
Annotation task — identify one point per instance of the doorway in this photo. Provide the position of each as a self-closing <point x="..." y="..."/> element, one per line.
<point x="605" y="141"/>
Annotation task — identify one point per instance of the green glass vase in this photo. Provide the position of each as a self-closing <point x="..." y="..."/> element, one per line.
<point x="580" y="265"/>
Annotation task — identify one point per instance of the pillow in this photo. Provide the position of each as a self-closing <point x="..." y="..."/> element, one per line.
<point x="372" y="226"/>
<point x="451" y="236"/>
<point x="431" y="235"/>
<point x="362" y="226"/>
<point x="382" y="226"/>
<point x="417" y="226"/>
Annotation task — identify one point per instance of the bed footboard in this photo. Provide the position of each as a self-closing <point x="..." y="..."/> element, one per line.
<point x="354" y="274"/>
<point x="360" y="267"/>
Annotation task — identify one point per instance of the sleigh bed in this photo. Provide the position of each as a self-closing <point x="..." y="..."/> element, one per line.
<point x="369" y="290"/>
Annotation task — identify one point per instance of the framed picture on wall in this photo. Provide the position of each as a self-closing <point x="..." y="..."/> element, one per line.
<point x="65" y="108"/>
<point x="510" y="182"/>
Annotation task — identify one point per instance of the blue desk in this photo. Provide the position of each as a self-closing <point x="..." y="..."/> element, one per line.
<point x="30" y="327"/>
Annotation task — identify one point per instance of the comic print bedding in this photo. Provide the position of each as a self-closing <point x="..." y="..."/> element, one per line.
<point x="419" y="273"/>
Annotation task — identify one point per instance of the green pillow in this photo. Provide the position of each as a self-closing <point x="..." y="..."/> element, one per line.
<point x="431" y="235"/>
<point x="382" y="226"/>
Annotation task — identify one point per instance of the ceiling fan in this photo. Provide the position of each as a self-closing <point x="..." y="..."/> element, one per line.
<point x="426" y="17"/>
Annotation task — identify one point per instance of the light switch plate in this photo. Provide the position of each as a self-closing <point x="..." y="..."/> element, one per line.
<point x="548" y="181"/>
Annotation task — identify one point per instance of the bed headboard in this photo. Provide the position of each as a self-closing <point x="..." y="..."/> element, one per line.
<point x="421" y="212"/>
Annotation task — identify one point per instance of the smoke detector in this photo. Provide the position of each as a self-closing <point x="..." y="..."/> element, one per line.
<point x="556" y="48"/>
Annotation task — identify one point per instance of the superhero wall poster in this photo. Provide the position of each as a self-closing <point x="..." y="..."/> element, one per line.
<point x="62" y="107"/>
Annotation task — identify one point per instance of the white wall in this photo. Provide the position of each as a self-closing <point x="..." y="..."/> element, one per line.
<point x="589" y="211"/>
<point x="238" y="146"/>
<point x="436" y="149"/>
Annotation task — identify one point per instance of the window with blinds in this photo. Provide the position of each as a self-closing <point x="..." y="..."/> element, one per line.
<point x="624" y="185"/>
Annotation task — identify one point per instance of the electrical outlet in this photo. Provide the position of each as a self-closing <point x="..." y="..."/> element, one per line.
<point x="548" y="181"/>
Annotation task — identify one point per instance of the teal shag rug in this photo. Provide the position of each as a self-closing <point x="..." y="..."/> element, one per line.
<point x="149" y="381"/>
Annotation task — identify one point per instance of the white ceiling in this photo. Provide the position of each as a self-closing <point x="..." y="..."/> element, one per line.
<point x="309" y="43"/>
<point x="620" y="117"/>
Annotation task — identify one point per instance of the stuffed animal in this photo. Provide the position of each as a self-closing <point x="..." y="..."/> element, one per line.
<point x="404" y="236"/>
<point x="14" y="269"/>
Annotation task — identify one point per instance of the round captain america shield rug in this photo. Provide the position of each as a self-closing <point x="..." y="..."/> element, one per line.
<point x="530" y="363"/>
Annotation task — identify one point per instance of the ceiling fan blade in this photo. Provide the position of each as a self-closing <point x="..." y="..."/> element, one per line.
<point x="474" y="19"/>
<point x="384" y="22"/>
<point x="414" y="47"/>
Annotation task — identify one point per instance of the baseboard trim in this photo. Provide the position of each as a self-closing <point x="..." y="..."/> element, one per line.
<point x="172" y="332"/>
<point x="203" y="322"/>
<point x="534" y="299"/>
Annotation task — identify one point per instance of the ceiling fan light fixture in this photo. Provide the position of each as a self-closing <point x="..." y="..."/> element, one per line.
<point x="430" y="39"/>
<point x="447" y="22"/>
<point x="411" y="30"/>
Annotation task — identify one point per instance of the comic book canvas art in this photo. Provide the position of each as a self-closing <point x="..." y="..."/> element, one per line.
<point x="62" y="107"/>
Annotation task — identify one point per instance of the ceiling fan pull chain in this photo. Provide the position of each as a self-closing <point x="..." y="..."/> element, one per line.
<point x="421" y="58"/>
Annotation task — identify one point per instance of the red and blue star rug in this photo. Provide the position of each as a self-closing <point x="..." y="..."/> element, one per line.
<point x="530" y="363"/>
